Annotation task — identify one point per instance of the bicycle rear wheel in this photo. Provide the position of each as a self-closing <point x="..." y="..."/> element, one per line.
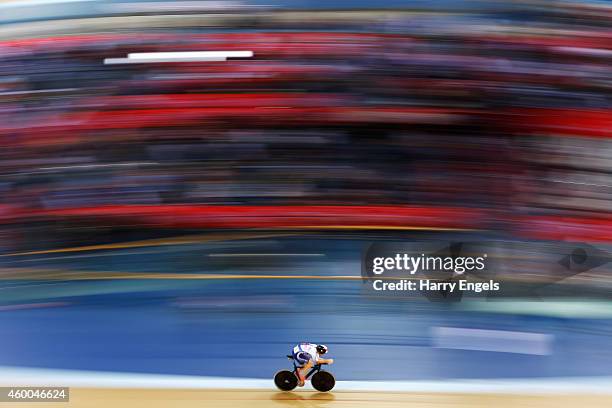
<point x="285" y="380"/>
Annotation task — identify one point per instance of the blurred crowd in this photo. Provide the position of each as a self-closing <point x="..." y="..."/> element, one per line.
<point x="504" y="106"/>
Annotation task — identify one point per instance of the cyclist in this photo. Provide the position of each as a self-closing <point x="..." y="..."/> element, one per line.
<point x="307" y="355"/>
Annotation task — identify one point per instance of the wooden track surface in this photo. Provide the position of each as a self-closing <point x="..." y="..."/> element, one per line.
<point x="150" y="398"/>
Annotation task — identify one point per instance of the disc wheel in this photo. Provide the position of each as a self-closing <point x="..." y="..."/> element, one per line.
<point x="285" y="380"/>
<point x="323" y="381"/>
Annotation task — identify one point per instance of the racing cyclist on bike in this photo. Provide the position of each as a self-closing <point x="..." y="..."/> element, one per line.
<point x="307" y="355"/>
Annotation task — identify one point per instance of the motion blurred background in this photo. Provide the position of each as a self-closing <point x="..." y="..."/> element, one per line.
<point x="172" y="215"/>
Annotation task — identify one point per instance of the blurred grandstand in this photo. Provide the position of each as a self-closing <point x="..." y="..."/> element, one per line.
<point x="503" y="109"/>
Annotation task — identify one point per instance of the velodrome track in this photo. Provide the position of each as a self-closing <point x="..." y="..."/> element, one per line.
<point x="130" y="390"/>
<point x="139" y="317"/>
<point x="137" y="398"/>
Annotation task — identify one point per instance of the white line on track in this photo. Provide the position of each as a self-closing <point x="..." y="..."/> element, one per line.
<point x="502" y="341"/>
<point x="17" y="376"/>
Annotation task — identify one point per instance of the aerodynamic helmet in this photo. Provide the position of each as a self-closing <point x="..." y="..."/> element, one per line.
<point x="321" y="349"/>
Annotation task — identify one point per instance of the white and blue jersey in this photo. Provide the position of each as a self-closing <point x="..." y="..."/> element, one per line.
<point x="304" y="352"/>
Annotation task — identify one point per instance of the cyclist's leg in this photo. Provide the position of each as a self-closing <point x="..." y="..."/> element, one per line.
<point x="302" y="371"/>
<point x="305" y="363"/>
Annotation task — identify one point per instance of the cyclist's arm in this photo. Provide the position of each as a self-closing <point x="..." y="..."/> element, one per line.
<point x="325" y="361"/>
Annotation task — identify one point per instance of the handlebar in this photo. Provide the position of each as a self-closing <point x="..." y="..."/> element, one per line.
<point x="290" y="357"/>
